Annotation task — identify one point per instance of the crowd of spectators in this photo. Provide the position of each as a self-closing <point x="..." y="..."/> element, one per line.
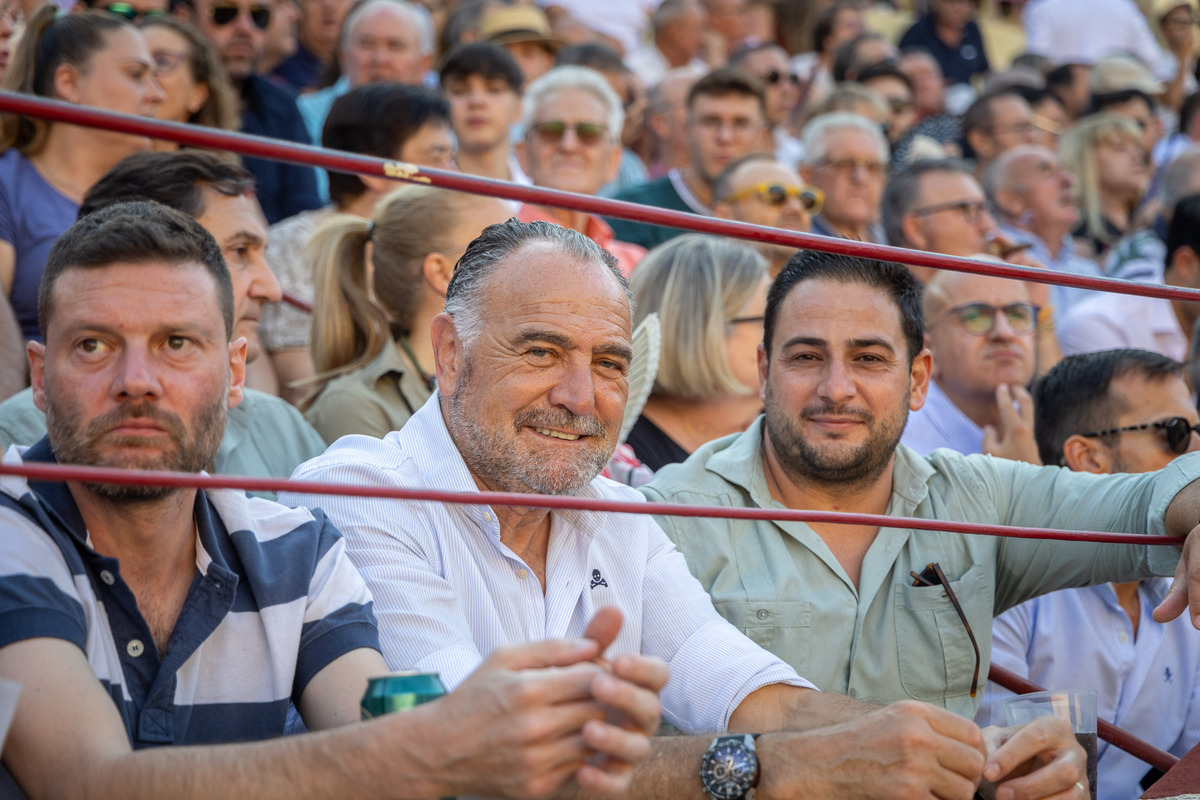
<point x="1061" y="135"/>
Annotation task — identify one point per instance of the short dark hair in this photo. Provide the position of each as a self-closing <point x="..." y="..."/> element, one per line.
<point x="487" y="60"/>
<point x="893" y="279"/>
<point x="593" y="55"/>
<point x="884" y="69"/>
<point x="176" y="179"/>
<point x="1074" y="396"/>
<point x="1102" y="102"/>
<point x="728" y="81"/>
<point x="135" y="233"/>
<point x="376" y="120"/>
<point x="1184" y="230"/>
<point x="826" y="19"/>
<point x="845" y="59"/>
<point x="1036" y="95"/>
<point x="980" y="116"/>
<point x="902" y="193"/>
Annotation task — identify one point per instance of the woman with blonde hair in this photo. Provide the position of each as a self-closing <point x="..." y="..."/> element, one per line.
<point x="92" y="59"/>
<point x="195" y="85"/>
<point x="1104" y="152"/>
<point x="378" y="285"/>
<point x="710" y="295"/>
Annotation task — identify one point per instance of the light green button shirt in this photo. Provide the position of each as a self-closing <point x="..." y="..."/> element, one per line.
<point x="889" y="640"/>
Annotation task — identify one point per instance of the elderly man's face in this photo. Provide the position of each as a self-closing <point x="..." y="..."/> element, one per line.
<point x="1044" y="190"/>
<point x="951" y="216"/>
<point x="536" y="400"/>
<point x="852" y="175"/>
<point x="384" y="45"/>
<point x="967" y="361"/>
<point x="768" y="193"/>
<point x="137" y="371"/>
<point x="568" y="145"/>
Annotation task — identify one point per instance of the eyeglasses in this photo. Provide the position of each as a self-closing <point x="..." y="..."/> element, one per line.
<point x="126" y="11"/>
<point x="222" y="15"/>
<point x="588" y="133"/>
<point x="1019" y="128"/>
<point x="898" y="105"/>
<point x="932" y="575"/>
<point x="971" y="210"/>
<point x="849" y="164"/>
<point x="167" y="62"/>
<point x="742" y="128"/>
<point x="774" y="194"/>
<point x="980" y="318"/>
<point x="759" y="320"/>
<point x="775" y="76"/>
<point x="1178" y="430"/>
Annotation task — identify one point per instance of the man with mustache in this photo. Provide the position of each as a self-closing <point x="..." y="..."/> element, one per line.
<point x="143" y="621"/>
<point x="532" y="355"/>
<point x="884" y="613"/>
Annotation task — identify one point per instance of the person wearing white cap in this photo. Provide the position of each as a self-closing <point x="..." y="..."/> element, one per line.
<point x="1177" y="25"/>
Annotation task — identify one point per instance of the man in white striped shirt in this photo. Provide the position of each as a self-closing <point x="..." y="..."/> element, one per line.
<point x="532" y="355"/>
<point x="140" y="620"/>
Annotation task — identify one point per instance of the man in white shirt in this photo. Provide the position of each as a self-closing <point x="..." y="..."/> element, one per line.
<point x="532" y="356"/>
<point x="1111" y="321"/>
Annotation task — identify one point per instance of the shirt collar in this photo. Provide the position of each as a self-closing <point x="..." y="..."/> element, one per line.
<point x="741" y="464"/>
<point x="56" y="498"/>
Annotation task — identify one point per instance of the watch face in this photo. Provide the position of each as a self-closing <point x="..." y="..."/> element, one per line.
<point x="728" y="770"/>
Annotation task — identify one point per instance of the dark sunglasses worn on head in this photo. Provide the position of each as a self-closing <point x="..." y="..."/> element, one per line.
<point x="222" y="15"/>
<point x="1177" y="429"/>
<point x="126" y="11"/>
<point x="932" y="575"/>
<point x="553" y="132"/>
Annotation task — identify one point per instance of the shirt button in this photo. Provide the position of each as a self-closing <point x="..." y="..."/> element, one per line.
<point x="135" y="648"/>
<point x="487" y="516"/>
<point x="1124" y="638"/>
<point x="522" y="574"/>
<point x="853" y="693"/>
<point x="762" y="613"/>
<point x="107" y="577"/>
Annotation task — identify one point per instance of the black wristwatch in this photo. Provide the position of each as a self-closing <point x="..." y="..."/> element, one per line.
<point x="729" y="768"/>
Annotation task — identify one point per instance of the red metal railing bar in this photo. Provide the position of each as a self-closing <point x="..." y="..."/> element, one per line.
<point x="310" y="155"/>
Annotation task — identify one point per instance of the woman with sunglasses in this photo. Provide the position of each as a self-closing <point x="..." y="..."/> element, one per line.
<point x="710" y="295"/>
<point x="195" y="85"/>
<point x="378" y="285"/>
<point x="93" y="59"/>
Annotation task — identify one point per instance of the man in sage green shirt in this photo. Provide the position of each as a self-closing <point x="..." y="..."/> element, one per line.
<point x="841" y="366"/>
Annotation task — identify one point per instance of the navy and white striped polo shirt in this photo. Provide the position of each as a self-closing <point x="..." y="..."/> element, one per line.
<point x="274" y="600"/>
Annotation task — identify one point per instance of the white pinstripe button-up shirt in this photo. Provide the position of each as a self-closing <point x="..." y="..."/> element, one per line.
<point x="448" y="591"/>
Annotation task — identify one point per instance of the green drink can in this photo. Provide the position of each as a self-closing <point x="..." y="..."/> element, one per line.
<point x="400" y="691"/>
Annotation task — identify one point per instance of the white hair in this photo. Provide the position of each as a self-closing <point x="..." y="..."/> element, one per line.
<point x="819" y="131"/>
<point x="418" y="17"/>
<point x="573" y="77"/>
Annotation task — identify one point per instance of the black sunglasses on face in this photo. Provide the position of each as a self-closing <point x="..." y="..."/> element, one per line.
<point x="775" y="76"/>
<point x="225" y="14"/>
<point x="1178" y="430"/>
